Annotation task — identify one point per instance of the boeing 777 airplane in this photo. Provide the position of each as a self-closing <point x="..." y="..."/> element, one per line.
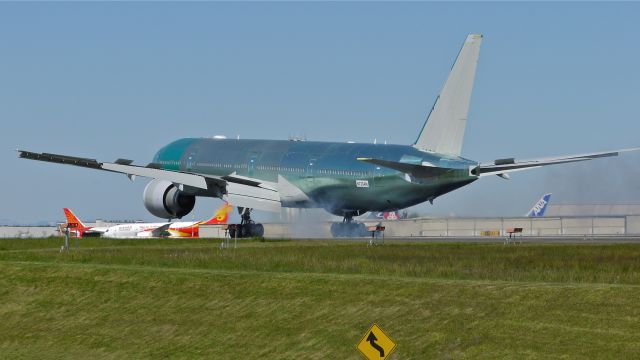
<point x="346" y="179"/>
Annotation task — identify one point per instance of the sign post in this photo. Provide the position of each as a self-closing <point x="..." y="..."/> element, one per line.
<point x="66" y="238"/>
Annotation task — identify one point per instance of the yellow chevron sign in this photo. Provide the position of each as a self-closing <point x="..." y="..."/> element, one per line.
<point x="375" y="344"/>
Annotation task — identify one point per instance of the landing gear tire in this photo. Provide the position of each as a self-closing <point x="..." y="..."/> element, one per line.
<point x="348" y="229"/>
<point x="247" y="227"/>
<point x="252" y="230"/>
<point x="258" y="230"/>
<point x="336" y="230"/>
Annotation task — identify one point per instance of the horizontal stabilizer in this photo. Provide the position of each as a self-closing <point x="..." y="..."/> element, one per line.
<point x="504" y="166"/>
<point x="418" y="171"/>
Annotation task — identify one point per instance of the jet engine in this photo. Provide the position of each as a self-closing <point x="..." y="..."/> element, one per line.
<point x="163" y="199"/>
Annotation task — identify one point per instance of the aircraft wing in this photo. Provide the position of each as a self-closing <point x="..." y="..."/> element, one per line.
<point x="240" y="191"/>
<point x="503" y="166"/>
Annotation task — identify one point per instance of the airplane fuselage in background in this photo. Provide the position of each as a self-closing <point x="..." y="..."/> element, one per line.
<point x="320" y="174"/>
<point x="133" y="230"/>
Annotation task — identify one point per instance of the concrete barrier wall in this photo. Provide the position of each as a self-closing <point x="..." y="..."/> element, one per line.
<point x="546" y="227"/>
<point x="632" y="226"/>
<point x="466" y="227"/>
<point x="607" y="226"/>
<point x="405" y="228"/>
<point x="530" y="226"/>
<point x="577" y="226"/>
<point x="211" y="231"/>
<point x="28" y="231"/>
<point x="425" y="228"/>
<point x="489" y="225"/>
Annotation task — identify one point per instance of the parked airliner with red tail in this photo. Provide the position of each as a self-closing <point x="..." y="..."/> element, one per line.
<point x="180" y="229"/>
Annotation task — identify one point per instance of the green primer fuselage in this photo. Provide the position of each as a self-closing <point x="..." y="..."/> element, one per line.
<point x="328" y="173"/>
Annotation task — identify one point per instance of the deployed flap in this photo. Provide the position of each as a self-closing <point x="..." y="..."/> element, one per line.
<point x="444" y="129"/>
<point x="418" y="171"/>
<point x="248" y="196"/>
<point x="510" y="165"/>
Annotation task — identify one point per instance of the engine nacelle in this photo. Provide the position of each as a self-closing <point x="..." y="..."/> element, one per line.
<point x="164" y="200"/>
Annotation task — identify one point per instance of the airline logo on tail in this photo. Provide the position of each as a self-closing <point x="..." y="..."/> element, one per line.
<point x="72" y="221"/>
<point x="74" y="224"/>
<point x="540" y="207"/>
<point x="220" y="217"/>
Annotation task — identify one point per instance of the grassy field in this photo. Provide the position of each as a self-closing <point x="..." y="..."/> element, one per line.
<point x="315" y="299"/>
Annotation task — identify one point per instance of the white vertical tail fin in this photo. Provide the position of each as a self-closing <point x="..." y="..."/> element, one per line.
<point x="443" y="131"/>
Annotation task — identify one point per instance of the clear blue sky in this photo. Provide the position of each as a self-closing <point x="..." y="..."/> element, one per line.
<point x="109" y="80"/>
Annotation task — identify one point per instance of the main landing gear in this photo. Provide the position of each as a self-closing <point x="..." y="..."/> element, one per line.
<point x="348" y="228"/>
<point x="247" y="227"/>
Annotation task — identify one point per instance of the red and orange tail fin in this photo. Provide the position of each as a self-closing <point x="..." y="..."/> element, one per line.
<point x="221" y="216"/>
<point x="73" y="221"/>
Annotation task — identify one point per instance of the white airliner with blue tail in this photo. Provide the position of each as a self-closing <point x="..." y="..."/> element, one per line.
<point x="540" y="207"/>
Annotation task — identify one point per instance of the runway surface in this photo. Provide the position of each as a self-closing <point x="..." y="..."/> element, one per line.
<point x="503" y="240"/>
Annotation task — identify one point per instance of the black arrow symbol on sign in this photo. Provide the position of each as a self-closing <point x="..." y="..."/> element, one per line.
<point x="372" y="340"/>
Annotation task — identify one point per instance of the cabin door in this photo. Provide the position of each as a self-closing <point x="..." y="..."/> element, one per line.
<point x="191" y="161"/>
<point x="311" y="170"/>
<point x="252" y="163"/>
<point x="377" y="177"/>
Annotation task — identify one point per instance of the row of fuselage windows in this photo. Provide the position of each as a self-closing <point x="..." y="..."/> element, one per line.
<point x="285" y="169"/>
<point x="169" y="162"/>
<point x="277" y="169"/>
